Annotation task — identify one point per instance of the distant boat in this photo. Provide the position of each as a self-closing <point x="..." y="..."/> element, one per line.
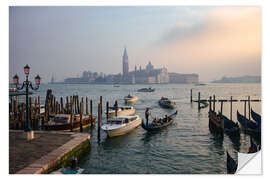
<point x="166" y="103"/>
<point x="121" y="111"/>
<point x="146" y="89"/>
<point x="231" y="164"/>
<point x="159" y="124"/>
<point x="116" y="85"/>
<point x="200" y="84"/>
<point x="130" y="99"/>
<point x="121" y="125"/>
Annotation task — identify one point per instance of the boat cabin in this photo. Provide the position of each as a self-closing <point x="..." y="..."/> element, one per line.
<point x="122" y="119"/>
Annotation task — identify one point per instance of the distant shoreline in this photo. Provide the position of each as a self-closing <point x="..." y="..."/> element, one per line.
<point x="160" y="83"/>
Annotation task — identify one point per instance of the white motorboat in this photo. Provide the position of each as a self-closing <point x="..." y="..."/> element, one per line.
<point x="121" y="125"/>
<point x="121" y="111"/>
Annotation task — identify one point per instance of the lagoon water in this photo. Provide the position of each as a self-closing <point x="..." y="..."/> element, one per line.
<point x="185" y="147"/>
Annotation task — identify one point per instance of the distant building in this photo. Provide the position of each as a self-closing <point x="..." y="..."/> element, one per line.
<point x="241" y="79"/>
<point x="87" y="77"/>
<point x="149" y="75"/>
<point x="183" y="78"/>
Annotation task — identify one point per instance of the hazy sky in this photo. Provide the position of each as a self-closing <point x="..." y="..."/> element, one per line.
<point x="65" y="41"/>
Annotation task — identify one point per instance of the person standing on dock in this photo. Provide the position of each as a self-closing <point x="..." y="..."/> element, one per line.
<point x="147" y="113"/>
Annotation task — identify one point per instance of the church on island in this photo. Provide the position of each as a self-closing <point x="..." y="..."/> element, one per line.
<point x="149" y="75"/>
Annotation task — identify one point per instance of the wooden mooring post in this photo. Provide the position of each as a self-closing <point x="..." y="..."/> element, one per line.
<point x="67" y="105"/>
<point x="101" y="103"/>
<point x="71" y="114"/>
<point x="86" y="106"/>
<point x="221" y="107"/>
<point x="191" y="96"/>
<point x="116" y="108"/>
<point x="249" y="107"/>
<point x="91" y="112"/>
<point x="107" y="111"/>
<point x="99" y="120"/>
<point x="199" y="100"/>
<point x="245" y="109"/>
<point x="210" y="103"/>
<point x="231" y="109"/>
<point x="214" y="104"/>
<point x="81" y="115"/>
<point x="62" y="105"/>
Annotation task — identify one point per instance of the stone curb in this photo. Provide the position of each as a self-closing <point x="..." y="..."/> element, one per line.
<point x="46" y="162"/>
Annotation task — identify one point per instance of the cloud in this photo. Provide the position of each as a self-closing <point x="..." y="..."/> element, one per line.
<point x="228" y="36"/>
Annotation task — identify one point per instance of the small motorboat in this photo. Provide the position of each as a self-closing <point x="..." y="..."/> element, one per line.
<point x="131" y="99"/>
<point x="156" y="124"/>
<point x="121" y="111"/>
<point x="121" y="125"/>
<point x="61" y="122"/>
<point x="166" y="103"/>
<point x="146" y="89"/>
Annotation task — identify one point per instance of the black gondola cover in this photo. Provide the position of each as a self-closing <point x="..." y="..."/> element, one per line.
<point x="231" y="164"/>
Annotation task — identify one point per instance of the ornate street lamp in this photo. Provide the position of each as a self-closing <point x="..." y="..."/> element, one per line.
<point x="27" y="84"/>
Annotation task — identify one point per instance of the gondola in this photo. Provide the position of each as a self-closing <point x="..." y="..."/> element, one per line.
<point x="253" y="147"/>
<point x="255" y="116"/>
<point x="246" y="123"/>
<point x="158" y="126"/>
<point x="166" y="103"/>
<point x="231" y="164"/>
<point x="249" y="126"/>
<point x="230" y="128"/>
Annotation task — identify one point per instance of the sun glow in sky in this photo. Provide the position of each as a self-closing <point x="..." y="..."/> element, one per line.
<point x="64" y="41"/>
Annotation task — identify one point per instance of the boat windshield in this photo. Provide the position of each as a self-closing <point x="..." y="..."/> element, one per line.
<point x="126" y="107"/>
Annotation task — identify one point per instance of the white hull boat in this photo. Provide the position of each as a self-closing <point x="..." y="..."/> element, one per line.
<point x="121" y="125"/>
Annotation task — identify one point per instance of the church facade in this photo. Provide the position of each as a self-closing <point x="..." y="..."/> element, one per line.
<point x="149" y="75"/>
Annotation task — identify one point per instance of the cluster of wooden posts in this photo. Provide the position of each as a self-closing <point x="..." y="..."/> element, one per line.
<point x="203" y="101"/>
<point x="17" y="113"/>
<point x="73" y="106"/>
<point x="39" y="116"/>
<point x="216" y="121"/>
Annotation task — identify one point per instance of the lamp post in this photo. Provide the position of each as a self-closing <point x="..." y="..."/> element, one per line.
<point x="27" y="84"/>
